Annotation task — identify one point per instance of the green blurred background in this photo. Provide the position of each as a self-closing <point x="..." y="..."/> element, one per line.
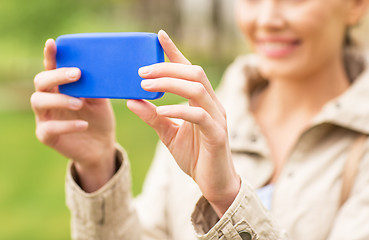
<point x="32" y="201"/>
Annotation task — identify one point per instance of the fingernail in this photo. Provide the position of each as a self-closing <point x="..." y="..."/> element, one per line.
<point x="48" y="40"/>
<point x="73" y="74"/>
<point x="147" y="83"/>
<point x="144" y="70"/>
<point x="164" y="33"/>
<point x="75" y="103"/>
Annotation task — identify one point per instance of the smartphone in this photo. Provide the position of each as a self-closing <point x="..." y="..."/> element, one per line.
<point x="109" y="63"/>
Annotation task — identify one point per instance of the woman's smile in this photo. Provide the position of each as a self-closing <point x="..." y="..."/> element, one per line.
<point x="276" y="47"/>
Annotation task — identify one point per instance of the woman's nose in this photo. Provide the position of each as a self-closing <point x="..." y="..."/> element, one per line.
<point x="270" y="15"/>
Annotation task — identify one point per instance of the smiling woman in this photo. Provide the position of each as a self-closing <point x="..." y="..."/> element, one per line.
<point x="300" y="45"/>
<point x="277" y="132"/>
<point x="298" y="37"/>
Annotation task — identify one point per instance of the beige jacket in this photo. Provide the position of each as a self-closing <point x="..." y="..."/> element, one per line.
<point x="306" y="197"/>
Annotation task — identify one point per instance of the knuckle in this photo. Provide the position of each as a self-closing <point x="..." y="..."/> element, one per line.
<point x="224" y="126"/>
<point x="203" y="115"/>
<point x="41" y="135"/>
<point x="46" y="62"/>
<point x="37" y="79"/>
<point x="223" y="111"/>
<point x="44" y="133"/>
<point x="199" y="72"/>
<point x="198" y="90"/>
<point x="221" y="132"/>
<point x="151" y="120"/>
<point x="34" y="99"/>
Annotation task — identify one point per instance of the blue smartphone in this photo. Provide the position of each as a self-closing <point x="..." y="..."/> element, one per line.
<point x="109" y="63"/>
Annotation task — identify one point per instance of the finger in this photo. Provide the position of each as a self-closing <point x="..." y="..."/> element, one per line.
<point x="165" y="128"/>
<point x="41" y="101"/>
<point x="195" y="115"/>
<point x="50" y="54"/>
<point x="170" y="49"/>
<point x="47" y="80"/>
<point x="195" y="92"/>
<point x="175" y="70"/>
<point x="49" y="131"/>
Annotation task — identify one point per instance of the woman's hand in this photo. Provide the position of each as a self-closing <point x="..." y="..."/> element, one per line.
<point x="80" y="129"/>
<point x="199" y="143"/>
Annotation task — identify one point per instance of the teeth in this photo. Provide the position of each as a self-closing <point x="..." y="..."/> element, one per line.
<point x="275" y="46"/>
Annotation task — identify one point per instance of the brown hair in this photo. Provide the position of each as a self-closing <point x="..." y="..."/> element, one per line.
<point x="353" y="60"/>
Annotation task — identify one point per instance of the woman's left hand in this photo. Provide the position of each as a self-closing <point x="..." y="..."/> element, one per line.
<point x="199" y="144"/>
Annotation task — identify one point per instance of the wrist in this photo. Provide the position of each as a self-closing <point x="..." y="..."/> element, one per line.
<point x="222" y="203"/>
<point x="93" y="176"/>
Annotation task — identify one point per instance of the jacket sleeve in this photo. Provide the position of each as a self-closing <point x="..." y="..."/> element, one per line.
<point x="246" y="218"/>
<point x="112" y="213"/>
<point x="107" y="213"/>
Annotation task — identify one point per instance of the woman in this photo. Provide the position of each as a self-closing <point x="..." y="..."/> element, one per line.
<point x="293" y="111"/>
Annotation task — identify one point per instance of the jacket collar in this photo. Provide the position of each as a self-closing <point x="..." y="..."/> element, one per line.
<point x="350" y="110"/>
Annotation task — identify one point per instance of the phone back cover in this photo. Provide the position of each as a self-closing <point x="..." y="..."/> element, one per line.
<point x="109" y="63"/>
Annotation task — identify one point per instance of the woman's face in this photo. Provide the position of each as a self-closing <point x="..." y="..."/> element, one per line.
<point x="294" y="38"/>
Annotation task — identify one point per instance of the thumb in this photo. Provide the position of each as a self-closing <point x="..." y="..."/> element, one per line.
<point x="49" y="54"/>
<point x="171" y="50"/>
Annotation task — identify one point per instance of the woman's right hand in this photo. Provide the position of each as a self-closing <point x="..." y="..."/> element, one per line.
<point x="80" y="129"/>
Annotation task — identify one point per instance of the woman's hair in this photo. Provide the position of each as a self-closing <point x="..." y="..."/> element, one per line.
<point x="353" y="59"/>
